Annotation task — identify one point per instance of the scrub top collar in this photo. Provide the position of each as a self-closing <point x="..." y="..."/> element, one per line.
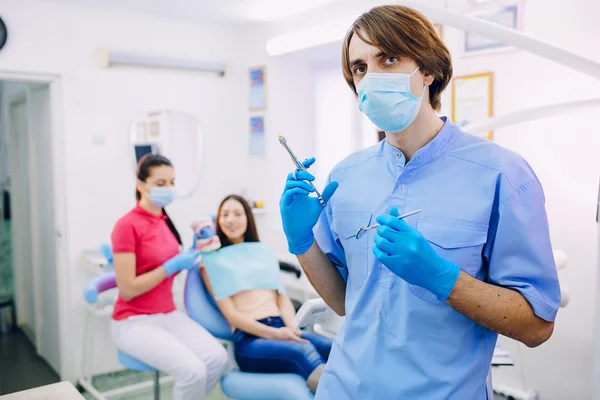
<point x="432" y="150"/>
<point x="141" y="211"/>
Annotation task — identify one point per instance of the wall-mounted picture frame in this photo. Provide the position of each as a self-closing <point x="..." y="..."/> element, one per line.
<point x="473" y="99"/>
<point x="257" y="136"/>
<point x="258" y="88"/>
<point x="506" y="14"/>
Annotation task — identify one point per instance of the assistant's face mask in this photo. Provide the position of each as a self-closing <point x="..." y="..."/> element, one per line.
<point x="161" y="196"/>
<point x="387" y="100"/>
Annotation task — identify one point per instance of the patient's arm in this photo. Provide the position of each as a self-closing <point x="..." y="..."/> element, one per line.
<point x="236" y="318"/>
<point x="243" y="321"/>
<point x="286" y="308"/>
<point x="249" y="325"/>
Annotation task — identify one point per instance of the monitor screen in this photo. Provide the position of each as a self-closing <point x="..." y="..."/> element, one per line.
<point x="142" y="149"/>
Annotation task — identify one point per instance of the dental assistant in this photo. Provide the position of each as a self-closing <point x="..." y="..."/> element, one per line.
<point x="147" y="257"/>
<point x="426" y="297"/>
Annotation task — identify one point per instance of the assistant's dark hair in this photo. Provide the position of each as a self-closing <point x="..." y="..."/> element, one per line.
<point x="251" y="234"/>
<point x="147" y="162"/>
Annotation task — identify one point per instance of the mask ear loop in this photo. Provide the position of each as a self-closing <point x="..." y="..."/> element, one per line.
<point x="145" y="185"/>
<point x="424" y="85"/>
<point x="423" y="94"/>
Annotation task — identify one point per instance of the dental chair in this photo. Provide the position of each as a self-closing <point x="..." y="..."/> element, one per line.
<point x="92" y="291"/>
<point x="236" y="384"/>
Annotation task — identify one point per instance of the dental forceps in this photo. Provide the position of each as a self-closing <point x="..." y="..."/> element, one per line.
<point x="299" y="165"/>
<point x="366" y="228"/>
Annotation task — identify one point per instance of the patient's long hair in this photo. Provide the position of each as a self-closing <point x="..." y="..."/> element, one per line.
<point x="251" y="234"/>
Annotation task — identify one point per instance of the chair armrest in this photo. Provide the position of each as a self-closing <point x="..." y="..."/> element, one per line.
<point x="98" y="285"/>
<point x="287" y="267"/>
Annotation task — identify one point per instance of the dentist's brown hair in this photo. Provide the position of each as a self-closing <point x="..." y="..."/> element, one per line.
<point x="401" y="31"/>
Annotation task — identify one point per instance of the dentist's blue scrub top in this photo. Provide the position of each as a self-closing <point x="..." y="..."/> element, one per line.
<point x="483" y="209"/>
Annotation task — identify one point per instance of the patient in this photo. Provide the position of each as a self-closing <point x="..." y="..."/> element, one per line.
<point x="256" y="305"/>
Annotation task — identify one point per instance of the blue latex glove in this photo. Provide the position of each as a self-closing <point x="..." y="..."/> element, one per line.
<point x="186" y="260"/>
<point x="299" y="211"/>
<point x="405" y="252"/>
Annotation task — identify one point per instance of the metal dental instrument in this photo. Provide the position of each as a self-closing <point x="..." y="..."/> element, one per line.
<point x="366" y="228"/>
<point x="299" y="165"/>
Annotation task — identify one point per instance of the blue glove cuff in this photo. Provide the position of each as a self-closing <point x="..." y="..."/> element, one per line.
<point x="446" y="280"/>
<point x="302" y="246"/>
<point x="169" y="267"/>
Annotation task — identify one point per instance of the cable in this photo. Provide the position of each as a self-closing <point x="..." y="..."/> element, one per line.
<point x="521" y="369"/>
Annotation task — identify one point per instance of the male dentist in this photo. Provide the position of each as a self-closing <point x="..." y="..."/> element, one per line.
<point x="424" y="297"/>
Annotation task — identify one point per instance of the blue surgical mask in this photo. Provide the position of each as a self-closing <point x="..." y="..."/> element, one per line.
<point x="162" y="196"/>
<point x="387" y="100"/>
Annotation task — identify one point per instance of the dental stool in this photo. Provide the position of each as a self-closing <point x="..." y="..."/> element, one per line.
<point x="91" y="292"/>
<point x="236" y="384"/>
<point x="136" y="365"/>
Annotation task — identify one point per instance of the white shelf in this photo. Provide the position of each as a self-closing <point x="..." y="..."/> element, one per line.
<point x="95" y="262"/>
<point x="259" y="211"/>
<point x="100" y="311"/>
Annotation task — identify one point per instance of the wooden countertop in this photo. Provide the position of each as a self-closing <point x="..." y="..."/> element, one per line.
<point x="57" y="391"/>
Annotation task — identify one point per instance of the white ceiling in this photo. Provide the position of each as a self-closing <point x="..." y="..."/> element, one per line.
<point x="206" y="10"/>
<point x="224" y="10"/>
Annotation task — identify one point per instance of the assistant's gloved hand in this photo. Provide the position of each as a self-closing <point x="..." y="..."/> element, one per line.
<point x="186" y="260"/>
<point x="405" y="252"/>
<point x="299" y="211"/>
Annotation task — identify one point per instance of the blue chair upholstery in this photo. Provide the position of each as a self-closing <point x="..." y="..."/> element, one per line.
<point x="239" y="385"/>
<point x="131" y="363"/>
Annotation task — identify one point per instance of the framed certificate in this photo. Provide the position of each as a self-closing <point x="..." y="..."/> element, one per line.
<point x="507" y="15"/>
<point x="258" y="89"/>
<point x="472" y="99"/>
<point x="257" y="136"/>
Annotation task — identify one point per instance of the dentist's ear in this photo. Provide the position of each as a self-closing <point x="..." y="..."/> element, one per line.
<point x="428" y="78"/>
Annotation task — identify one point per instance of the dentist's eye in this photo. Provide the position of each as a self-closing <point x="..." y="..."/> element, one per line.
<point x="391" y="60"/>
<point x="360" y="70"/>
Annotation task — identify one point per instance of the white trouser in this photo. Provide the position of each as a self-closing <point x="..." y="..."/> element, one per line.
<point x="175" y="344"/>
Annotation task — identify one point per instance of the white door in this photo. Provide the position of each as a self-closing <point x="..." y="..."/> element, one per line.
<point x="21" y="219"/>
<point x="33" y="224"/>
<point x="43" y="227"/>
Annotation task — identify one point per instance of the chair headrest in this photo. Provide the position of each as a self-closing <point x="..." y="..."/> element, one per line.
<point x="201" y="307"/>
<point x="560" y="259"/>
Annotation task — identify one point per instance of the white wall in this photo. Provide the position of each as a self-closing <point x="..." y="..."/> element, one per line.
<point x="562" y="150"/>
<point x="99" y="179"/>
<point x="336" y="117"/>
